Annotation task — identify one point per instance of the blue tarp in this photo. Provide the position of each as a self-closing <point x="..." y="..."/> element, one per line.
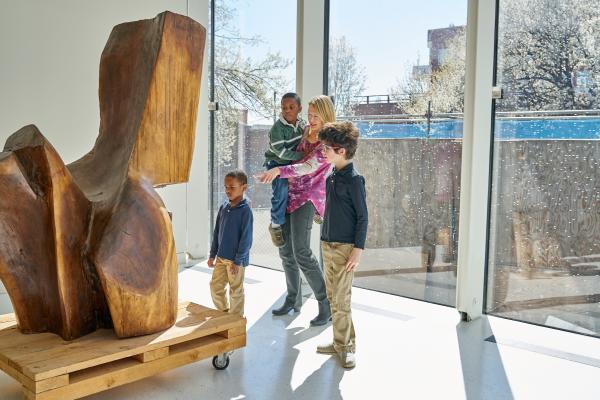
<point x="585" y="128"/>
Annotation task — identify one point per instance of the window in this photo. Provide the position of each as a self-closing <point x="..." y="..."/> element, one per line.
<point x="397" y="71"/>
<point x="254" y="66"/>
<point x="544" y="250"/>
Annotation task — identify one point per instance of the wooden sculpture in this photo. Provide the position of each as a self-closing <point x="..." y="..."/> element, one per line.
<point x="90" y="245"/>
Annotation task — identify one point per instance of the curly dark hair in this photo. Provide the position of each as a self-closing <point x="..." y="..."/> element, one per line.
<point x="238" y="175"/>
<point x="292" y="95"/>
<point x="340" y="134"/>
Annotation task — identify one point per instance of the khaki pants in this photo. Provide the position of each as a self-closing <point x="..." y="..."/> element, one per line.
<point x="221" y="276"/>
<point x="338" y="282"/>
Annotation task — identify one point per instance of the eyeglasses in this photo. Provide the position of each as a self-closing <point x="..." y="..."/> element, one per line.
<point x="327" y="147"/>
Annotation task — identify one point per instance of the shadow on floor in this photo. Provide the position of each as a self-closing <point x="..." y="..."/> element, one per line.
<point x="482" y="367"/>
<point x="281" y="356"/>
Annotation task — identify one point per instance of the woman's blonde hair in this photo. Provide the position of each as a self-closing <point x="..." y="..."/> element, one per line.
<point x="324" y="107"/>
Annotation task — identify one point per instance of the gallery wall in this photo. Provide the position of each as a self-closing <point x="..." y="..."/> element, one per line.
<point x="49" y="60"/>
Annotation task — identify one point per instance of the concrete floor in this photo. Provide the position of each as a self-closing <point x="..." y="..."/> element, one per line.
<point x="405" y="349"/>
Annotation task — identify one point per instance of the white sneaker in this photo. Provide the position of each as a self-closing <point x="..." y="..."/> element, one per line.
<point x="348" y="360"/>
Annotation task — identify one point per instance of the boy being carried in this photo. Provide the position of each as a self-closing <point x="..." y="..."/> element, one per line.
<point x="343" y="234"/>
<point x="284" y="136"/>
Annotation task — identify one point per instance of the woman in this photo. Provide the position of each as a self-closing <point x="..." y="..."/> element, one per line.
<point x="306" y="196"/>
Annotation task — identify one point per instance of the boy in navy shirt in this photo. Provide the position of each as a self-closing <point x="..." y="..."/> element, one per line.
<point x="343" y="234"/>
<point x="232" y="239"/>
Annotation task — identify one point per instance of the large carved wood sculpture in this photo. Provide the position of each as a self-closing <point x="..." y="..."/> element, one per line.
<point x="90" y="245"/>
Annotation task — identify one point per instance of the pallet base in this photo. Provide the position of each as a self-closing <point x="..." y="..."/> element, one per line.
<point x="51" y="368"/>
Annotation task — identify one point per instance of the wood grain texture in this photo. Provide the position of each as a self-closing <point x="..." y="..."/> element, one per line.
<point x="44" y="227"/>
<point x="90" y="245"/>
<point x="136" y="262"/>
<point x="171" y="106"/>
<point x="51" y="368"/>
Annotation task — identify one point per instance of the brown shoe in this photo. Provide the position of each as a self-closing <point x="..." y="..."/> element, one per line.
<point x="326" y="349"/>
<point x="276" y="235"/>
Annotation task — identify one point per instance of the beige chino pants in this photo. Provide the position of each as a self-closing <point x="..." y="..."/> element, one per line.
<point x="221" y="277"/>
<point x="338" y="283"/>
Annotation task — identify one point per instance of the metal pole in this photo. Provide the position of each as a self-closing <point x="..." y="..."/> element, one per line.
<point x="212" y="118"/>
<point x="428" y="115"/>
<point x="326" y="13"/>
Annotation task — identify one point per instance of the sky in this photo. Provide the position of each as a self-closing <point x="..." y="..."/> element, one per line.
<point x="391" y="35"/>
<point x="388" y="35"/>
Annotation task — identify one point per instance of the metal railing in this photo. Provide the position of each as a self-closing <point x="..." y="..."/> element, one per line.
<point x="373" y="99"/>
<point x="438" y="117"/>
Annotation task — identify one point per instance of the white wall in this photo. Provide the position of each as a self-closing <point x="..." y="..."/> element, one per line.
<point x="49" y="61"/>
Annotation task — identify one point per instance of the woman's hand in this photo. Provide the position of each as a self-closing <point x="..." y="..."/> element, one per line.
<point x="268" y="176"/>
<point x="354" y="259"/>
<point x="211" y="262"/>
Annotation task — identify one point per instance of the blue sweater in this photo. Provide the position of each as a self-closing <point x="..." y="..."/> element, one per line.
<point x="232" y="237"/>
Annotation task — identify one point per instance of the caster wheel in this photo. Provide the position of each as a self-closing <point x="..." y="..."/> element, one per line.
<point x="464" y="316"/>
<point x="220" y="362"/>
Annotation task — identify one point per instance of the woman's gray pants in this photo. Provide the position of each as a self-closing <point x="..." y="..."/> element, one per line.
<point x="296" y="255"/>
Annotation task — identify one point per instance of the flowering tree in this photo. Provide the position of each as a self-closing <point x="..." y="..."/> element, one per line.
<point x="242" y="84"/>
<point x="551" y="59"/>
<point x="547" y="61"/>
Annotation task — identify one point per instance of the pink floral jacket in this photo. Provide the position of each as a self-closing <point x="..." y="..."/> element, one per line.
<point x="307" y="177"/>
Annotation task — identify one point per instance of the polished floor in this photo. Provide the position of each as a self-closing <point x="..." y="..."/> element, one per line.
<point x="406" y="349"/>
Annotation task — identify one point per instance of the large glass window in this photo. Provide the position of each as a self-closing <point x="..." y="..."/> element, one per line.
<point x="254" y="66"/>
<point x="397" y="70"/>
<point x="544" y="250"/>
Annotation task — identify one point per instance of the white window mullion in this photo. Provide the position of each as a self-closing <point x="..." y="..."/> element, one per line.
<point x="309" y="48"/>
<point x="475" y="178"/>
<point x="310" y="38"/>
<point x="196" y="193"/>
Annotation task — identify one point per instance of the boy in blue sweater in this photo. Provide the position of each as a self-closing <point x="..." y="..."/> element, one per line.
<point x="230" y="249"/>
<point x="343" y="234"/>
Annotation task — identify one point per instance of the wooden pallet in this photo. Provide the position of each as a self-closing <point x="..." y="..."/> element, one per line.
<point x="51" y="368"/>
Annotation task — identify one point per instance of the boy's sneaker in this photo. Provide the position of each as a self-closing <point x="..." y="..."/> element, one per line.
<point x="348" y="360"/>
<point x="318" y="219"/>
<point x="276" y="235"/>
<point x="326" y="349"/>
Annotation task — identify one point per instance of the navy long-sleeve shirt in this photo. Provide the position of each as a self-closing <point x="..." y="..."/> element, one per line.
<point x="232" y="237"/>
<point x="346" y="215"/>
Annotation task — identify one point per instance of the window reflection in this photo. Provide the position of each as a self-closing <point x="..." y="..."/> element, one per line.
<point x="544" y="260"/>
<point x="254" y="67"/>
<point x="406" y="97"/>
